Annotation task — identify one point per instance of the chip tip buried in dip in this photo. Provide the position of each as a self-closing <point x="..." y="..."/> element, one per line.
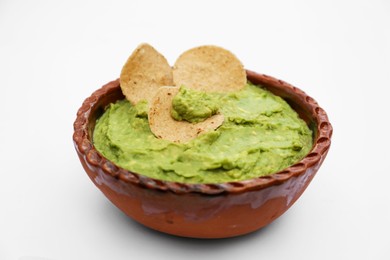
<point x="164" y="126"/>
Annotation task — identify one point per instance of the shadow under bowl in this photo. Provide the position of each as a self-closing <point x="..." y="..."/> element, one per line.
<point x="203" y="210"/>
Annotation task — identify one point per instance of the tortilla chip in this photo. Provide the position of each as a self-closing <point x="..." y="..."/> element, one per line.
<point x="164" y="126"/>
<point x="145" y="71"/>
<point x="210" y="69"/>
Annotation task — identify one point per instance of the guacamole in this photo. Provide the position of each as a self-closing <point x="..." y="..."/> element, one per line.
<point x="194" y="106"/>
<point x="261" y="134"/>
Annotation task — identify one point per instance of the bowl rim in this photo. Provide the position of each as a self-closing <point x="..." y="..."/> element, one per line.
<point x="87" y="152"/>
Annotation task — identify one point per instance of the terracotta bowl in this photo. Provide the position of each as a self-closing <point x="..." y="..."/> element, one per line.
<point x="203" y="210"/>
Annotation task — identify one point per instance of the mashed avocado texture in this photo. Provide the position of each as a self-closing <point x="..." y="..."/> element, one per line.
<point x="261" y="135"/>
<point x="194" y="106"/>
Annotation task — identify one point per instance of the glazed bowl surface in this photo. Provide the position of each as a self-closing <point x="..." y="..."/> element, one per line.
<point x="203" y="210"/>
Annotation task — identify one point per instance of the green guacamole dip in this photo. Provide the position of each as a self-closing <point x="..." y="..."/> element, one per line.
<point x="194" y="106"/>
<point x="261" y="135"/>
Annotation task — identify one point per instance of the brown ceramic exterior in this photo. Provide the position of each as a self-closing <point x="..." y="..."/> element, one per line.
<point x="203" y="210"/>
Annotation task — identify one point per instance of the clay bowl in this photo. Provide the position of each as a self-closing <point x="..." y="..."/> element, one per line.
<point x="203" y="210"/>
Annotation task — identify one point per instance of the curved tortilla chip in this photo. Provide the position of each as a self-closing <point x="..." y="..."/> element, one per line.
<point x="164" y="126"/>
<point x="143" y="73"/>
<point x="209" y="68"/>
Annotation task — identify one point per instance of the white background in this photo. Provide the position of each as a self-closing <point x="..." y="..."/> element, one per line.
<point x="55" y="54"/>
